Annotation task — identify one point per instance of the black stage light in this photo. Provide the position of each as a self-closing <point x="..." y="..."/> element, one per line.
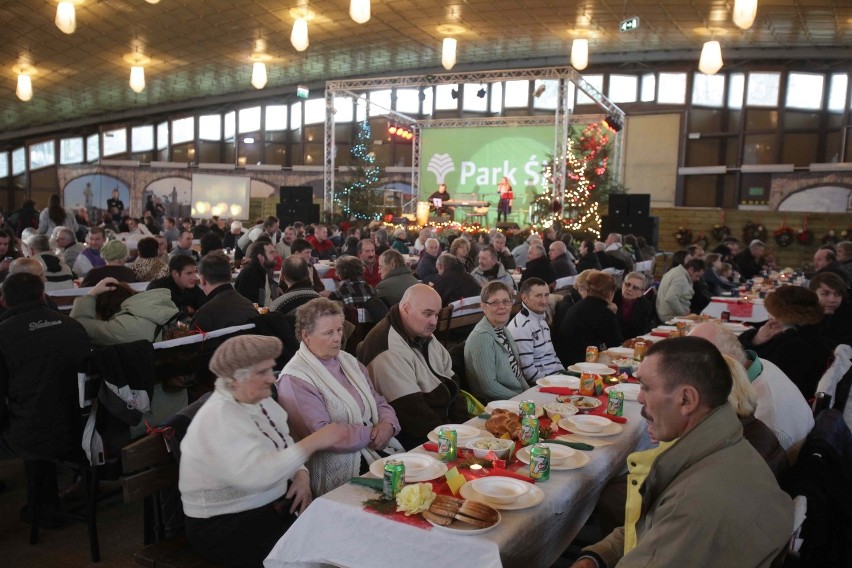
<point x="454" y="93"/>
<point x="481" y="93"/>
<point x="614" y="123"/>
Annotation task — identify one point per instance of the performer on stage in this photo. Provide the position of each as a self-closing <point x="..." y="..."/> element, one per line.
<point x="437" y="200"/>
<point x="504" y="206"/>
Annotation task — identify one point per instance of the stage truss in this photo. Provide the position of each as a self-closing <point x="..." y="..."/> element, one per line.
<point x="560" y="119"/>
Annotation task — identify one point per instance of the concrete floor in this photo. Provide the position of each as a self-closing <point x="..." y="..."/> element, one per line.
<point x="119" y="530"/>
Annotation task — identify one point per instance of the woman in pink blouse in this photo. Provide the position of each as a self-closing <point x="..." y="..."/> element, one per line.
<point x="322" y="384"/>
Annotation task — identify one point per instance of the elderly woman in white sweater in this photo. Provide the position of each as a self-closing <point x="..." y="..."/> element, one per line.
<point x="242" y="477"/>
<point x="323" y="385"/>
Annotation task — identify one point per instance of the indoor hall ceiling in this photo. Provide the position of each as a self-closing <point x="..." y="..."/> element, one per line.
<point x="200" y="49"/>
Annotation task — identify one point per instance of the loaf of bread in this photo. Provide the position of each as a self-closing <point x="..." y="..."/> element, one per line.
<point x="445" y="509"/>
<point x="504" y="422"/>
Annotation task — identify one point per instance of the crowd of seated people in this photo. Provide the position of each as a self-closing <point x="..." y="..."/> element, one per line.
<point x="250" y="462"/>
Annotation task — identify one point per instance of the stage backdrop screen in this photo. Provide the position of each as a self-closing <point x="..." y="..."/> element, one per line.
<point x="472" y="161"/>
<point x="222" y="195"/>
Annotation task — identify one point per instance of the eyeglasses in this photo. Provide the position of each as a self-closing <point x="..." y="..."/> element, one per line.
<point x="627" y="286"/>
<point x="505" y="303"/>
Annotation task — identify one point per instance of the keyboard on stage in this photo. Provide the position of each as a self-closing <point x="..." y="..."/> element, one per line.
<point x="460" y="203"/>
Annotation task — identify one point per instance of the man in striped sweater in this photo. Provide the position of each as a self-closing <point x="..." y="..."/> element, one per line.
<point x="531" y="333"/>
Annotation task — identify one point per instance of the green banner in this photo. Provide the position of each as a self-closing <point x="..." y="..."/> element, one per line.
<point x="472" y="161"/>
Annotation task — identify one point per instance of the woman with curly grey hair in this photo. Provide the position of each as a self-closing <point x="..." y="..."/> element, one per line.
<point x="323" y="385"/>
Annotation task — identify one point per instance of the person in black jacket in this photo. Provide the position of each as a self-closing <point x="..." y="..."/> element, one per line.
<point x="836" y="325"/>
<point x="539" y="266"/>
<point x="40" y="355"/>
<point x="635" y="311"/>
<point x="182" y="283"/>
<point x="750" y="262"/>
<point x="255" y="280"/>
<point x="591" y="321"/>
<point x="791" y="337"/>
<point x="224" y="306"/>
<point x="588" y="258"/>
<point x="454" y="283"/>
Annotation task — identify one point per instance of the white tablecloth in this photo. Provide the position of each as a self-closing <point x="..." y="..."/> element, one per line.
<point x="335" y="530"/>
<point x="758" y="313"/>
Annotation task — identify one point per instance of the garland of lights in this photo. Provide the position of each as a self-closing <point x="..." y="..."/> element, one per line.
<point x="369" y="178"/>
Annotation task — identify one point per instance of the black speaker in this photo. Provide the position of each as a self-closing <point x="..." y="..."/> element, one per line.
<point x="618" y="205"/>
<point x="639" y="205"/>
<point x="645" y="227"/>
<point x="296" y="194"/>
<point x="289" y="214"/>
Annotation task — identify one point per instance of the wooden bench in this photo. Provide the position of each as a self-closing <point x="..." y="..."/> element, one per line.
<point x="150" y="468"/>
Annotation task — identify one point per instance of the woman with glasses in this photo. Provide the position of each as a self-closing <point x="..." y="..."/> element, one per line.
<point x="491" y="361"/>
<point x="635" y="311"/>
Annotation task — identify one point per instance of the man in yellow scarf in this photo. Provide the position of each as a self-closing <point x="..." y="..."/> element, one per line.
<point x="704" y="497"/>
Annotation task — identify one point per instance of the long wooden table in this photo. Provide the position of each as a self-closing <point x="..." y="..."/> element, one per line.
<point x="336" y="530"/>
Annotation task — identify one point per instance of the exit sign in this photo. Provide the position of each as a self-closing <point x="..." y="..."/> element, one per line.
<point x="629" y="24"/>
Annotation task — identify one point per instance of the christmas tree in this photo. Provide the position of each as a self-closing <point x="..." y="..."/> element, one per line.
<point x="588" y="183"/>
<point x="361" y="198"/>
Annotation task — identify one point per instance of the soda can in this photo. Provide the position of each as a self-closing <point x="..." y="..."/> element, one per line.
<point x="587" y="384"/>
<point x="394" y="478"/>
<point x="447" y="444"/>
<point x="615" y="403"/>
<point x="726" y="316"/>
<point x="540" y="462"/>
<point x="639" y="349"/>
<point x="529" y="431"/>
<point x="591" y="354"/>
<point x="527" y="408"/>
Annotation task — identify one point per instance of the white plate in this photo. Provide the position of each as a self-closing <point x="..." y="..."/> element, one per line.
<point x="651" y="338"/>
<point x="611" y="430"/>
<point x="531" y="499"/>
<point x="511" y="406"/>
<point x="596" y="368"/>
<point x="665" y="328"/>
<point x="630" y="390"/>
<point x="577" y="460"/>
<point x="434" y="471"/>
<point x="464" y="433"/>
<point x="620" y="351"/>
<point x="735" y="327"/>
<point x="458" y="527"/>
<point x="559" y="381"/>
<point x="595" y="402"/>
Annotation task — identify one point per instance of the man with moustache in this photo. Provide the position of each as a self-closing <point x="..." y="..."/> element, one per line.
<point x="704" y="497"/>
<point x="255" y="280"/>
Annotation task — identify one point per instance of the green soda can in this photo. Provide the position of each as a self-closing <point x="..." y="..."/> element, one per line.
<point x="527" y="408"/>
<point x="447" y="444"/>
<point x="615" y="403"/>
<point x="394" y="479"/>
<point x="529" y="430"/>
<point x="540" y="462"/>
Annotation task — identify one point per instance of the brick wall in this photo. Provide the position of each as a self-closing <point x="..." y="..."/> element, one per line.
<point x="702" y="220"/>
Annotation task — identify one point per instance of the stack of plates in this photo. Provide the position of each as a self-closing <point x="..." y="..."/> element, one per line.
<point x="418" y="467"/>
<point x="562" y="458"/>
<point x="630" y="390"/>
<point x="559" y="381"/>
<point x="464" y="433"/>
<point x="503" y="493"/>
